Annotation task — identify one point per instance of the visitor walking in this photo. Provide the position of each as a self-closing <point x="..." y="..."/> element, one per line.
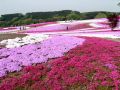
<point x="67" y="28"/>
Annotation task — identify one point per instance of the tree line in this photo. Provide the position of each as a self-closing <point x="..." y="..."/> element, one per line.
<point x="18" y="19"/>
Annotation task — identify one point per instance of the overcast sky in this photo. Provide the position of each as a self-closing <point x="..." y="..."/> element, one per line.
<point x="23" y="6"/>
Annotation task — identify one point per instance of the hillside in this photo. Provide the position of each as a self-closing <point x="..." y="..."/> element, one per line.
<point x="18" y="19"/>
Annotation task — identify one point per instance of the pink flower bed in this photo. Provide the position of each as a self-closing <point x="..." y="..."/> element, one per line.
<point x="12" y="60"/>
<point x="11" y="28"/>
<point x="69" y="27"/>
<point x="81" y="26"/>
<point x="48" y="28"/>
<point x="8" y="28"/>
<point x="58" y="28"/>
<point x="41" y="24"/>
<point x="95" y="65"/>
<point x="1" y="28"/>
<point x="31" y="25"/>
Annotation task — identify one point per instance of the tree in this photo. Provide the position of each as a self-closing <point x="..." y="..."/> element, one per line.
<point x="73" y="16"/>
<point x="118" y="4"/>
<point x="113" y="20"/>
<point x="101" y="15"/>
<point x="8" y="17"/>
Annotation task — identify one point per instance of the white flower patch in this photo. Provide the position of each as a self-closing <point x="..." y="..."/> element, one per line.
<point x="98" y="25"/>
<point x="17" y="42"/>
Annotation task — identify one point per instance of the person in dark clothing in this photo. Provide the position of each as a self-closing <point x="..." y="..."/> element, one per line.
<point x="67" y="28"/>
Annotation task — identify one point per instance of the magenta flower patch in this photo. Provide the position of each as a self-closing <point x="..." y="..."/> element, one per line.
<point x="95" y="65"/>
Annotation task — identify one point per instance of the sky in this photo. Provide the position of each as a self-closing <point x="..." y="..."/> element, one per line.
<point x="24" y="6"/>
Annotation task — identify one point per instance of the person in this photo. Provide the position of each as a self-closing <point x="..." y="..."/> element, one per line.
<point x="67" y="28"/>
<point x="20" y="27"/>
